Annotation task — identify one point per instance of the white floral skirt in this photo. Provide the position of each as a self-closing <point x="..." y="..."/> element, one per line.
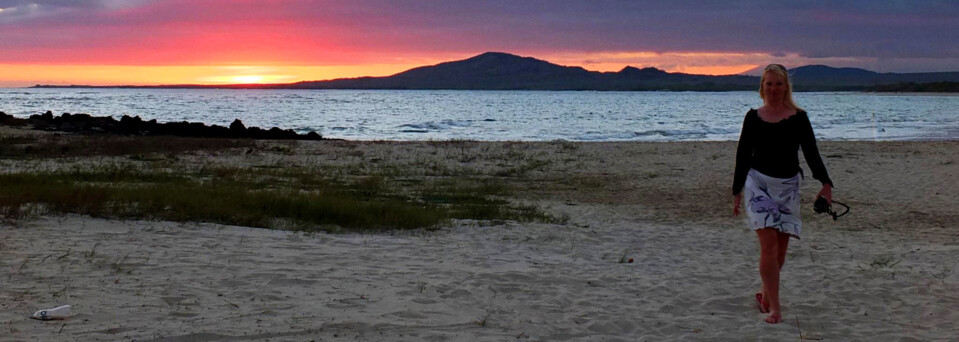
<point x="773" y="203"/>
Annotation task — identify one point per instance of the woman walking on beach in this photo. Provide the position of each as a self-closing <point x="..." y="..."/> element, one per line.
<point x="768" y="172"/>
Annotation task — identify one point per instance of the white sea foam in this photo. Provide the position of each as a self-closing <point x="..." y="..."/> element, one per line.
<point x="435" y="126"/>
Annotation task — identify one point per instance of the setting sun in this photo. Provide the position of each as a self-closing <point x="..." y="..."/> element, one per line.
<point x="250" y="75"/>
<point x="249" y="79"/>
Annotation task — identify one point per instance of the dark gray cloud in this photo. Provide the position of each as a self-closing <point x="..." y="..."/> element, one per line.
<point x="72" y="3"/>
<point x="36" y="11"/>
<point x="809" y="28"/>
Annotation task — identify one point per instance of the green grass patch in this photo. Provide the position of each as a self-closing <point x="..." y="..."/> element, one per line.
<point x="153" y="182"/>
<point x="482" y="200"/>
<point x="283" y="198"/>
<point x="226" y="201"/>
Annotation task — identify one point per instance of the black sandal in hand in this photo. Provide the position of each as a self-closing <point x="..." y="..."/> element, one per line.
<point x="822" y="206"/>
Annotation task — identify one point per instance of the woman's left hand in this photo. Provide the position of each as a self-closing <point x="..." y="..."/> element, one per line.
<point x="826" y="192"/>
<point x="737" y="199"/>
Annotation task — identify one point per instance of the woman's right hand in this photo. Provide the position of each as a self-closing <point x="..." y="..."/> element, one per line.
<point x="737" y="199"/>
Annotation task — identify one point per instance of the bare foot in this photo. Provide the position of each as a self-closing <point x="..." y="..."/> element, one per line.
<point x="774" y="318"/>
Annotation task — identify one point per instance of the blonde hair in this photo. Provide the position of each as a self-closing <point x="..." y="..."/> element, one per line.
<point x="780" y="70"/>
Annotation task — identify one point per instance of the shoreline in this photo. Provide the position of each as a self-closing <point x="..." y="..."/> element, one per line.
<point x="288" y="134"/>
<point x="883" y="269"/>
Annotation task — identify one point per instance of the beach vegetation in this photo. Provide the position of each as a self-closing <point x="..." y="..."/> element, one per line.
<point x="530" y="164"/>
<point x="483" y="321"/>
<point x="23" y="264"/>
<point x="157" y="182"/>
<point x="93" y="252"/>
<point x="942" y="274"/>
<point x="118" y="265"/>
<point x="246" y="201"/>
<point x="566" y="146"/>
<point x="885" y="261"/>
<point x="60" y="145"/>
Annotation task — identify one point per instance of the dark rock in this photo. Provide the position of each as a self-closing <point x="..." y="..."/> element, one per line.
<point x="81" y="117"/>
<point x="10" y="120"/>
<point x="87" y="124"/>
<point x="130" y="126"/>
<point x="237" y="127"/>
<point x="255" y="133"/>
<point x="46" y="117"/>
<point x="217" y="131"/>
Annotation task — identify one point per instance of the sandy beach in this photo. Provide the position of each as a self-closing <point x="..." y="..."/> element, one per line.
<point x="887" y="271"/>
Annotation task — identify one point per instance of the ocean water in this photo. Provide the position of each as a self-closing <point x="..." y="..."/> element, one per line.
<point x="504" y="115"/>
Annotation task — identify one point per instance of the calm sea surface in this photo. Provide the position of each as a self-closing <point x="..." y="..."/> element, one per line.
<point x="504" y="115"/>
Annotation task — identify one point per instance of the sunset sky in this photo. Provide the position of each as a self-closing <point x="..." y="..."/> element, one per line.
<point x="112" y="42"/>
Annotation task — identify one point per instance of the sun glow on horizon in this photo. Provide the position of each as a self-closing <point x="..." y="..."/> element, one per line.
<point x="249" y="75"/>
<point x="711" y="63"/>
<point x="715" y="70"/>
<point x="249" y="79"/>
<point x="20" y="75"/>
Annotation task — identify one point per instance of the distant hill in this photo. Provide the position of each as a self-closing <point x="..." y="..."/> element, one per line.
<point x="821" y="77"/>
<point x="757" y="71"/>
<point x="912" y="87"/>
<point x="503" y="71"/>
<point x="490" y="70"/>
<point x="812" y="77"/>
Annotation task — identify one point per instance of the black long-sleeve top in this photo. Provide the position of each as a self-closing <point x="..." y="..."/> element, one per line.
<point x="773" y="149"/>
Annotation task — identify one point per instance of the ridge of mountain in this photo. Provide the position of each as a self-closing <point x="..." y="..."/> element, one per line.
<point x="505" y="71"/>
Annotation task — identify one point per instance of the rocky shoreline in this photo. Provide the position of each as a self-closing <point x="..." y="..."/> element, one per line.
<point x="135" y="126"/>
